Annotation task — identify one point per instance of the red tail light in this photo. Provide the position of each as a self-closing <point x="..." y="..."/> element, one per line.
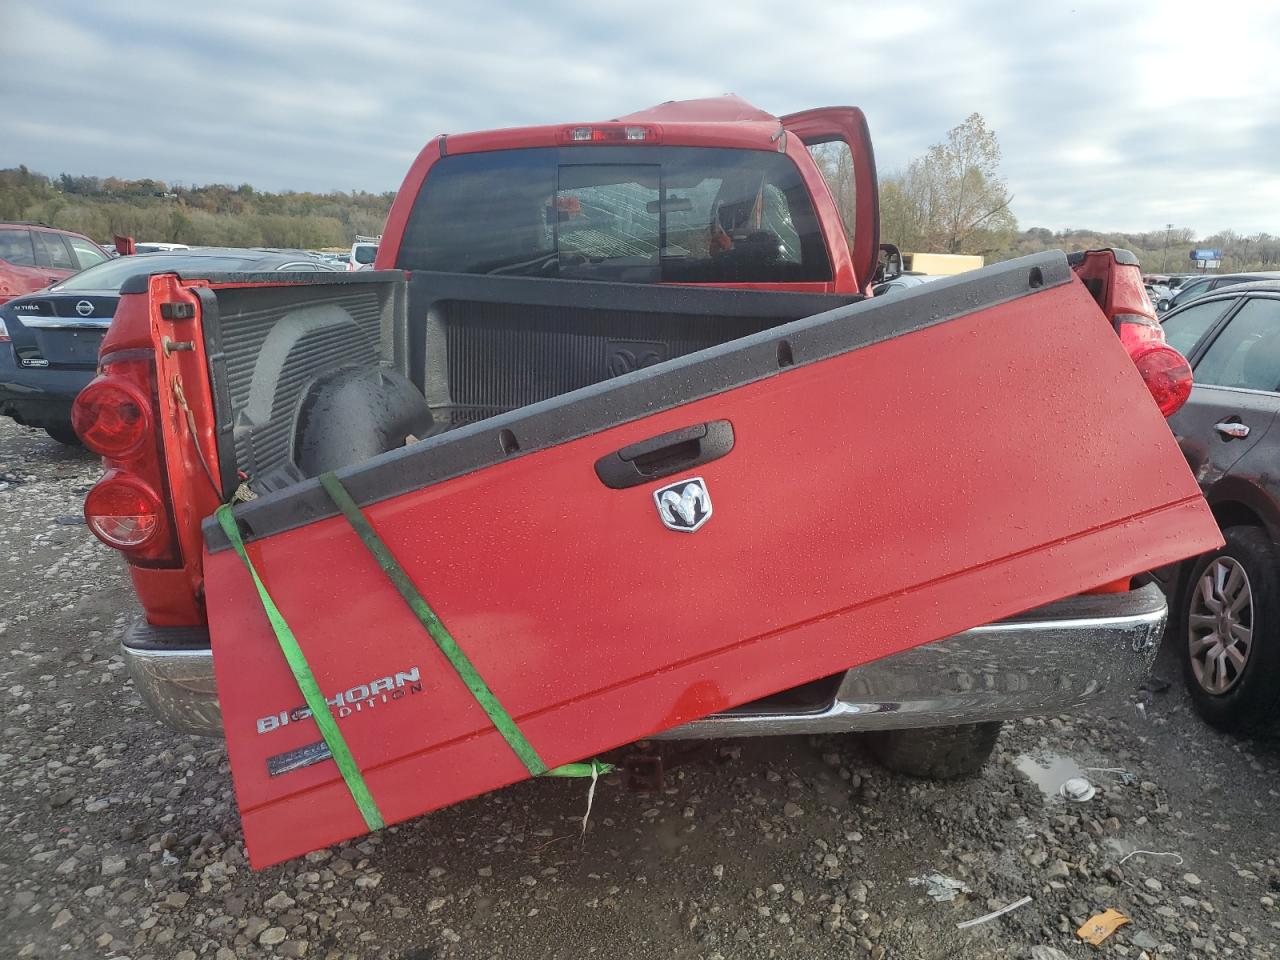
<point x="111" y="417"/>
<point x="1114" y="279"/>
<point x="1166" y="374"/>
<point x="116" y="416"/>
<point x="123" y="512"/>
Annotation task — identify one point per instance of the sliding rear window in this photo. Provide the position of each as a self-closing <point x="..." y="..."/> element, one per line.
<point x="638" y="214"/>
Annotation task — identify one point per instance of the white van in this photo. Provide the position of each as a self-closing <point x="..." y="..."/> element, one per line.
<point x="363" y="252"/>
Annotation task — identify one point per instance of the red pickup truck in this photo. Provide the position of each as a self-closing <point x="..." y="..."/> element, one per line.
<point x="579" y="338"/>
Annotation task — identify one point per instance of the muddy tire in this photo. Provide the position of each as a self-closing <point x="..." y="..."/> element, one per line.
<point x="63" y="433"/>
<point x="1229" y="636"/>
<point x="936" y="753"/>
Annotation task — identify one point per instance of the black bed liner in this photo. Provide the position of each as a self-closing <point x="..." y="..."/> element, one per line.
<point x="646" y="391"/>
<point x="482" y="345"/>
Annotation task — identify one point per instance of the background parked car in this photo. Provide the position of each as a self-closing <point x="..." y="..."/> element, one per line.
<point x="32" y="256"/>
<point x="1194" y="289"/>
<point x="1225" y="606"/>
<point x="151" y="246"/>
<point x="49" y="340"/>
<point x="903" y="281"/>
<point x="363" y="252"/>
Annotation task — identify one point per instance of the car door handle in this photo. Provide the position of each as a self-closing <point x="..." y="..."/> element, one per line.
<point x="665" y="454"/>
<point x="1232" y="430"/>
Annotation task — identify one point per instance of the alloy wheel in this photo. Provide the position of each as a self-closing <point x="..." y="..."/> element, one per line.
<point x="1220" y="625"/>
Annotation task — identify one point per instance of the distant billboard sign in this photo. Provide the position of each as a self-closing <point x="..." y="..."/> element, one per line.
<point x="1206" y="254"/>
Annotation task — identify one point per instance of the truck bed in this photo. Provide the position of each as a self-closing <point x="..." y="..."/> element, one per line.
<point x="472" y="347"/>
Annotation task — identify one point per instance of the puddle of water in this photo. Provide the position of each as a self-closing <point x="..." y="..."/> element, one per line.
<point x="1049" y="772"/>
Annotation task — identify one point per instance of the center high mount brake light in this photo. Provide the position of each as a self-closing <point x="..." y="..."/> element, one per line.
<point x="609" y="133"/>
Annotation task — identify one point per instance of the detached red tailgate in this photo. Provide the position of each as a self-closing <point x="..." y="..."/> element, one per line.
<point x="899" y="470"/>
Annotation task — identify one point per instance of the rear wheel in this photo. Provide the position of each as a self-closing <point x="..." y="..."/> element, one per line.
<point x="1230" y="636"/>
<point x="63" y="433"/>
<point x="936" y="753"/>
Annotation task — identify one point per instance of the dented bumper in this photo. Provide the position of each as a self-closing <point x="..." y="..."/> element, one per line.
<point x="1087" y="651"/>
<point x="172" y="669"/>
<point x="1084" y="651"/>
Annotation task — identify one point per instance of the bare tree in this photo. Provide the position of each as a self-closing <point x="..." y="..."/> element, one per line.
<point x="952" y="199"/>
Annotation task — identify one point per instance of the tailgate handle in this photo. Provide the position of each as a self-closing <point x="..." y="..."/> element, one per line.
<point x="666" y="454"/>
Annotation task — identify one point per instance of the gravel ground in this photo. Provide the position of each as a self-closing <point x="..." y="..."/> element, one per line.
<point x="122" y="840"/>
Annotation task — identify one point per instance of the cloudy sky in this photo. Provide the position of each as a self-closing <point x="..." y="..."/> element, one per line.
<point x="1115" y="116"/>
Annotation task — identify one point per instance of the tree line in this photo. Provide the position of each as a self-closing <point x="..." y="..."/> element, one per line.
<point x="210" y="215"/>
<point x="1161" y="251"/>
<point x="951" y="199"/>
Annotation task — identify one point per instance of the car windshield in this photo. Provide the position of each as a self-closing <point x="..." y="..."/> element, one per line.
<point x="113" y="274"/>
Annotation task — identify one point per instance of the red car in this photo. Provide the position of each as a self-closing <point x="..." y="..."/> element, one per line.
<point x="32" y="256"/>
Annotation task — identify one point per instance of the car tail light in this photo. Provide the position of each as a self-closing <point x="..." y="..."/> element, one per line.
<point x="609" y="133"/>
<point x="123" y="512"/>
<point x="1167" y="375"/>
<point x="111" y="417"/>
<point x="117" y="416"/>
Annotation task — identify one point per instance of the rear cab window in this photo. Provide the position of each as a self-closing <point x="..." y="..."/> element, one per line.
<point x="644" y="215"/>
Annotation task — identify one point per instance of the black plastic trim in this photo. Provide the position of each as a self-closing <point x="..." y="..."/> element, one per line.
<point x="141" y="635"/>
<point x="650" y="390"/>
<point x="661" y="456"/>
<point x="224" y="417"/>
<point x="1122" y="256"/>
<point x="428" y="286"/>
<point x="282" y="278"/>
<point x="177" y="311"/>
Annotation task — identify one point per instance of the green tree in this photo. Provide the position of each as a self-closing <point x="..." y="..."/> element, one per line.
<point x="214" y="214"/>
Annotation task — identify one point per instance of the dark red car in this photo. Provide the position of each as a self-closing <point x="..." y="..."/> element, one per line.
<point x="33" y="256"/>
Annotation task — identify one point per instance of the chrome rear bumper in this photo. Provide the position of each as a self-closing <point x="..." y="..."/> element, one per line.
<point x="172" y="670"/>
<point x="1087" y="650"/>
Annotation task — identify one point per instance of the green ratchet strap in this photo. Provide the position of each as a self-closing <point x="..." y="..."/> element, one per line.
<point x="306" y="683"/>
<point x="460" y="662"/>
<point x="590" y="768"/>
